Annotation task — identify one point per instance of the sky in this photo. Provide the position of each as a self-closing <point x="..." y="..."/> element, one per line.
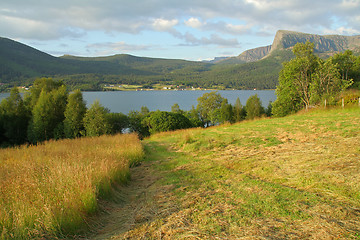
<point x="177" y="29"/>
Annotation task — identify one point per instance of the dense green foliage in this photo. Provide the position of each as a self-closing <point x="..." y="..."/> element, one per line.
<point x="14" y="118"/>
<point x="254" y="107"/>
<point x="95" y="120"/>
<point x="74" y="115"/>
<point x="50" y="112"/>
<point x="308" y="80"/>
<point x="160" y="121"/>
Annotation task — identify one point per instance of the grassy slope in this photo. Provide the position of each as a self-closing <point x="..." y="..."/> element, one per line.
<point x="51" y="190"/>
<point x="290" y="178"/>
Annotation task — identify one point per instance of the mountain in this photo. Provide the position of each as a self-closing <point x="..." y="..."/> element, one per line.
<point x="322" y="43"/>
<point x="21" y="64"/>
<point x="325" y="45"/>
<point x="255" y="68"/>
<point x="251" y="55"/>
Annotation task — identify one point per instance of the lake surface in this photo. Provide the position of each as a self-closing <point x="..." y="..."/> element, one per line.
<point x="124" y="102"/>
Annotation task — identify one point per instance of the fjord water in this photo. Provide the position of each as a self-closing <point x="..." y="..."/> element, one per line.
<point x="126" y="101"/>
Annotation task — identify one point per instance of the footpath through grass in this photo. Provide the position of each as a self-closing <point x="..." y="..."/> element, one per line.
<point x="290" y="178"/>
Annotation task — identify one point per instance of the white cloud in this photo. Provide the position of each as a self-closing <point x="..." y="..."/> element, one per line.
<point x="342" y="31"/>
<point x="41" y="20"/>
<point x="193" y="22"/>
<point x="237" y="29"/>
<point x="214" y="39"/>
<point x="163" y="25"/>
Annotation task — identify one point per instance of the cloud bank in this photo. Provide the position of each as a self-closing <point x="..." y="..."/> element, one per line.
<point x="200" y="22"/>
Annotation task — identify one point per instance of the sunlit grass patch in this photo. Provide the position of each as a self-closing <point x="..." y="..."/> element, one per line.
<point x="51" y="189"/>
<point x="293" y="177"/>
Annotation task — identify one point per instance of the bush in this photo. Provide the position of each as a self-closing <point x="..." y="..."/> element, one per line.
<point x="160" y="121"/>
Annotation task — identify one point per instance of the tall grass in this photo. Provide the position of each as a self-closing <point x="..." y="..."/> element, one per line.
<point x="51" y="189"/>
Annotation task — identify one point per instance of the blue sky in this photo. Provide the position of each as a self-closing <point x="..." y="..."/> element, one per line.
<point x="192" y="30"/>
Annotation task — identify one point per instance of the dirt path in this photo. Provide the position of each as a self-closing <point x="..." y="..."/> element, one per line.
<point x="131" y="206"/>
<point x="136" y="207"/>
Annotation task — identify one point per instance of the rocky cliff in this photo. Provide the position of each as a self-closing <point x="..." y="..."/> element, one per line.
<point x="326" y="44"/>
<point x="322" y="43"/>
<point x="255" y="54"/>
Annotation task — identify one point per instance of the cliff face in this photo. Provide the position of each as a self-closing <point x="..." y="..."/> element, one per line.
<point x="255" y="54"/>
<point x="328" y="44"/>
<point x="322" y="43"/>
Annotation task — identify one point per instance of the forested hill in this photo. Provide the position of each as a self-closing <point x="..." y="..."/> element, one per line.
<point x="20" y="62"/>
<point x="254" y="68"/>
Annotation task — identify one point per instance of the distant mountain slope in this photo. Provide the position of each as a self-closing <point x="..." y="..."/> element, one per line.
<point x="323" y="44"/>
<point x="251" y="55"/>
<point x="19" y="61"/>
<point x="255" y="68"/>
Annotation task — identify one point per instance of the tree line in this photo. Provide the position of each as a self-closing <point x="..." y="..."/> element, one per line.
<point x="308" y="80"/>
<point x="50" y="111"/>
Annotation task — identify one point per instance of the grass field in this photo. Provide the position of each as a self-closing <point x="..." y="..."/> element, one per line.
<point x="296" y="177"/>
<point x="50" y="190"/>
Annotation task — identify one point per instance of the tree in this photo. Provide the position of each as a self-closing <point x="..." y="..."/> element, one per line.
<point x="194" y="117"/>
<point x="254" y="108"/>
<point x="295" y="78"/>
<point x="41" y="84"/>
<point x="305" y="64"/>
<point x="95" y="120"/>
<point x="176" y="109"/>
<point x="74" y="115"/>
<point x="118" y="122"/>
<point x="15" y="118"/>
<point x="144" y="110"/>
<point x="268" y="110"/>
<point x="48" y="115"/>
<point x="161" y="121"/>
<point x="226" y="112"/>
<point x="208" y="107"/>
<point x="308" y="80"/>
<point x="136" y="124"/>
<point x="238" y="111"/>
<point x="327" y="82"/>
<point x="344" y="62"/>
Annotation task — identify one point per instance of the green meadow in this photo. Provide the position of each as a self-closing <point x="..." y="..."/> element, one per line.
<point x="295" y="177"/>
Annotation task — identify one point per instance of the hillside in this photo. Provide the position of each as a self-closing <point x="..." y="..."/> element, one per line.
<point x="20" y="63"/>
<point x="254" y="68"/>
<point x="283" y="178"/>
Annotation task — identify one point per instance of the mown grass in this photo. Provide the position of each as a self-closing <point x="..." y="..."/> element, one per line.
<point x="286" y="178"/>
<point x="50" y="190"/>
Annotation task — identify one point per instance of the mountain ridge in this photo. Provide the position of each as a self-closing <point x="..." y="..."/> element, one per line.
<point x="254" y="68"/>
<point x="285" y="39"/>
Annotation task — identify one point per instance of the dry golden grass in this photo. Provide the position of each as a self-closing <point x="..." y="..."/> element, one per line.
<point x="52" y="188"/>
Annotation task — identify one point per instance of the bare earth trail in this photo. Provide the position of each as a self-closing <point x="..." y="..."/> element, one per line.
<point x="138" y="205"/>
